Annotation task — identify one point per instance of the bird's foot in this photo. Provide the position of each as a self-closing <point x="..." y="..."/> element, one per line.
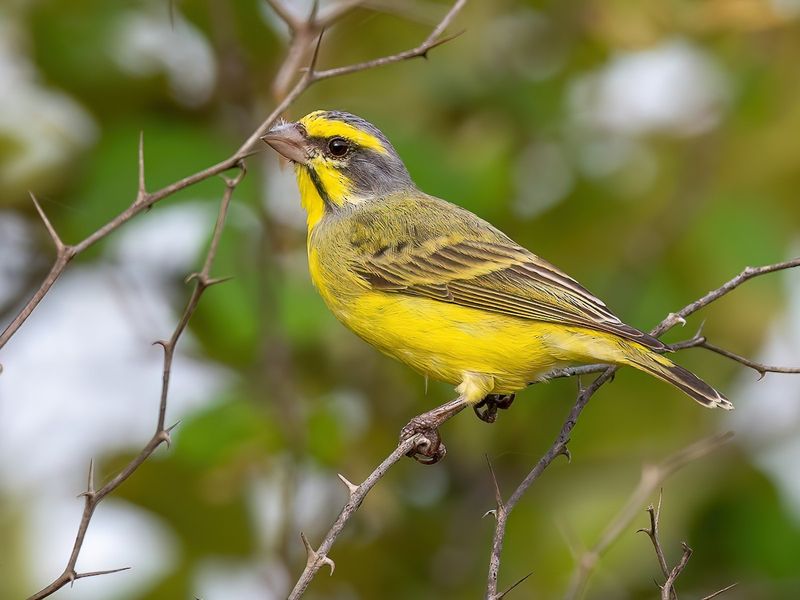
<point x="429" y="448"/>
<point x="491" y="404"/>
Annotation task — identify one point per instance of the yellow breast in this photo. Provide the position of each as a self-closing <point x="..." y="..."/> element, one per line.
<point x="440" y="340"/>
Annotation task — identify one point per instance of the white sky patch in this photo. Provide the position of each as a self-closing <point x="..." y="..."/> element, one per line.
<point x="146" y="43"/>
<point x="243" y="581"/>
<point x="673" y="88"/>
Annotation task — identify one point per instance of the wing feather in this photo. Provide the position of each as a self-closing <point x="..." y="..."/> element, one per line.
<point x="497" y="276"/>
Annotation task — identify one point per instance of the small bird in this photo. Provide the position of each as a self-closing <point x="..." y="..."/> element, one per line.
<point x="440" y="289"/>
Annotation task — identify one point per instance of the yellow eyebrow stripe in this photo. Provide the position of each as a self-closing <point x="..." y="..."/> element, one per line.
<point x="318" y="126"/>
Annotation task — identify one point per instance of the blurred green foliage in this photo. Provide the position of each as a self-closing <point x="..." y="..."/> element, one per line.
<point x="679" y="214"/>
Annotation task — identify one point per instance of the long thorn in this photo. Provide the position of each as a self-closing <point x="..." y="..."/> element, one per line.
<point x="312" y="67"/>
<point x="97" y="573"/>
<point x="505" y="592"/>
<point x="141" y="194"/>
<point x="498" y="497"/>
<point x="351" y="487"/>
<point x="48" y="225"/>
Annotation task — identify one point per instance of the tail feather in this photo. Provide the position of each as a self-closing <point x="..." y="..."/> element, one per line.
<point x="684" y="380"/>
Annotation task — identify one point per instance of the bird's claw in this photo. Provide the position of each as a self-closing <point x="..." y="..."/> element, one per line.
<point x="490" y="404"/>
<point x="429" y="448"/>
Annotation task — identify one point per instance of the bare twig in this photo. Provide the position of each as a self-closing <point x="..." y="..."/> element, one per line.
<point x="652" y="532"/>
<point x="653" y="476"/>
<point x="92" y="496"/>
<point x="720" y="592"/>
<point x="559" y="446"/>
<point x="303" y="33"/>
<point x="432" y="41"/>
<point x="700" y="341"/>
<point x="668" y="590"/>
<point x="319" y="557"/>
<point x="145" y="200"/>
<point x="508" y="590"/>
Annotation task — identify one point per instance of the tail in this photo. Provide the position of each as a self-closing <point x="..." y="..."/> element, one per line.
<point x="683" y="379"/>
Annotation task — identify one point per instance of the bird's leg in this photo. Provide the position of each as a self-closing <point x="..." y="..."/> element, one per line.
<point x="430" y="449"/>
<point x="490" y="404"/>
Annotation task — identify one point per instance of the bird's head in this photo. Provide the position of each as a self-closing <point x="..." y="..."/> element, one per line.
<point x="339" y="159"/>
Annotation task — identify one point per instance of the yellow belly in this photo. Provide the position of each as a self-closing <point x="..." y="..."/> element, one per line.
<point x="484" y="352"/>
<point x="446" y="341"/>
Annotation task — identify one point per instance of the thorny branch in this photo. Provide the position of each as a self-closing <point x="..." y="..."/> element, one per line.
<point x="668" y="589"/>
<point x="143" y="201"/>
<point x="93" y="496"/>
<point x="559" y="446"/>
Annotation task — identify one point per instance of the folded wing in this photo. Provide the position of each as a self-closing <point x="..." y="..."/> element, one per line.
<point x="497" y="276"/>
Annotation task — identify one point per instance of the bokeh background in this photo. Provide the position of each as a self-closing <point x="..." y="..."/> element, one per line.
<point x="648" y="148"/>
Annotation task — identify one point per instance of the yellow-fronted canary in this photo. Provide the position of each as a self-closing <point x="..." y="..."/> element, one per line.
<point x="437" y="287"/>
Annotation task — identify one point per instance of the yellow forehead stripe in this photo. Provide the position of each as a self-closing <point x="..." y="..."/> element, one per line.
<point x="318" y="125"/>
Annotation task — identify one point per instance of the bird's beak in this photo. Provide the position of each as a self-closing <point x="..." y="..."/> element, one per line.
<point x="290" y="141"/>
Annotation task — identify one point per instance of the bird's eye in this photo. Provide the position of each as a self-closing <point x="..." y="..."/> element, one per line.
<point x="338" y="147"/>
